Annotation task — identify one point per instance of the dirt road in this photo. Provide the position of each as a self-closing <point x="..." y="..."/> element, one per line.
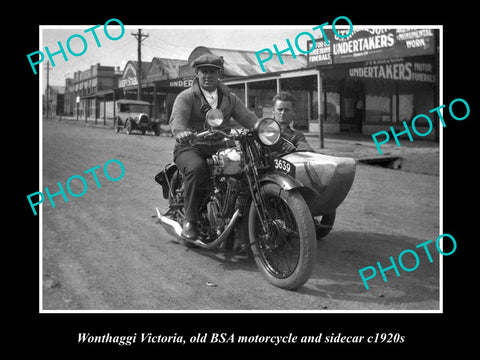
<point x="105" y="251"/>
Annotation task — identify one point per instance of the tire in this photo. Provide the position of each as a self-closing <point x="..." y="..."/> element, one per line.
<point x="115" y="125"/>
<point x="156" y="129"/>
<point x="324" y="225"/>
<point x="128" y="127"/>
<point x="285" y="209"/>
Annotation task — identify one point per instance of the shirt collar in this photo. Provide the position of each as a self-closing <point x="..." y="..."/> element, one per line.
<point x="213" y="93"/>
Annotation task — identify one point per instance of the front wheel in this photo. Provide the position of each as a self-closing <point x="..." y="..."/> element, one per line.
<point x="116" y="126"/>
<point x="128" y="127"/>
<point x="286" y="250"/>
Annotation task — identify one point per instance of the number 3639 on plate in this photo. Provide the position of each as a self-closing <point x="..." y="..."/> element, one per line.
<point x="284" y="166"/>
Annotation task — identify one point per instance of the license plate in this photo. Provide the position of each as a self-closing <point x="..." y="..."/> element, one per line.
<point x="284" y="166"/>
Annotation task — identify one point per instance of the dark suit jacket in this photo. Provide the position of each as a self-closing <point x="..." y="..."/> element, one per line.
<point x="291" y="140"/>
<point x="187" y="114"/>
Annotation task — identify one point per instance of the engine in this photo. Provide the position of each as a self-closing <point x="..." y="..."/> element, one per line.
<point x="222" y="203"/>
<point x="229" y="161"/>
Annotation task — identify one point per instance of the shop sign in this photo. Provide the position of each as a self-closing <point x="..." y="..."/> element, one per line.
<point x="129" y="77"/>
<point x="418" y="71"/>
<point x="320" y="55"/>
<point x="372" y="44"/>
<point x="182" y="83"/>
<point x="128" y="82"/>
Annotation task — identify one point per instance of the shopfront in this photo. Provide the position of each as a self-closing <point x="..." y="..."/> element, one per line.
<point x="376" y="78"/>
<point x="257" y="92"/>
<point x="160" y="84"/>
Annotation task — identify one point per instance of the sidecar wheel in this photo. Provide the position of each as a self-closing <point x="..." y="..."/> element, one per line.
<point x="286" y="252"/>
<point x="324" y="224"/>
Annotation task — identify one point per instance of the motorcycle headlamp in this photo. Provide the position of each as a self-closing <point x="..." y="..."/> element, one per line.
<point x="267" y="131"/>
<point x="214" y="118"/>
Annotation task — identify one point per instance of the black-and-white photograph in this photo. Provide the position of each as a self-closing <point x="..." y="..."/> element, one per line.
<point x="241" y="168"/>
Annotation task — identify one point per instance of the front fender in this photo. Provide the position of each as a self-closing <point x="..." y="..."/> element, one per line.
<point x="284" y="181"/>
<point x="288" y="183"/>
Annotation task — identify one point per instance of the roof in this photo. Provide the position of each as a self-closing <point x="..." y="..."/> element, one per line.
<point x="245" y="62"/>
<point x="165" y="68"/>
<point x="145" y="67"/>
<point x="137" y="102"/>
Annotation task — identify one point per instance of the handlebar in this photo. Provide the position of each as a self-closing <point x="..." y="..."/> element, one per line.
<point x="232" y="135"/>
<point x="212" y="132"/>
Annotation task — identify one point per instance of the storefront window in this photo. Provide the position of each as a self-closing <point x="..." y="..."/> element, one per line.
<point x="378" y="108"/>
<point x="333" y="107"/>
<point x="380" y="103"/>
<point x="414" y="98"/>
<point x="405" y="107"/>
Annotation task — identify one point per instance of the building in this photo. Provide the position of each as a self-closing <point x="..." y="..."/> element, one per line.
<point x="254" y="87"/>
<point x="53" y="100"/>
<point x="371" y="80"/>
<point x="376" y="78"/>
<point x="163" y="79"/>
<point x="69" y="100"/>
<point x="160" y="84"/>
<point x="367" y="81"/>
<point x="94" y="92"/>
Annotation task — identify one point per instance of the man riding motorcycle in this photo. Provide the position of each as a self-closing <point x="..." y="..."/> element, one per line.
<point x="188" y="115"/>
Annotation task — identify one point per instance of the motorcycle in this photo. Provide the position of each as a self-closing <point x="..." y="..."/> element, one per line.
<point x="269" y="205"/>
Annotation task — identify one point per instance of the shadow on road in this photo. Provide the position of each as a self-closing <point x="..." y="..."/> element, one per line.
<point x="342" y="254"/>
<point x="336" y="276"/>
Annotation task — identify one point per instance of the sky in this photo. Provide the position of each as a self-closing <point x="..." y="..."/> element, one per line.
<point x="174" y="42"/>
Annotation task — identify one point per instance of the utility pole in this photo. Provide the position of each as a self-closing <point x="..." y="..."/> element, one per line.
<point x="47" y="108"/>
<point x="140" y="37"/>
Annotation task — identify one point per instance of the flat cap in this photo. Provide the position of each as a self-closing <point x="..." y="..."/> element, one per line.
<point x="208" y="60"/>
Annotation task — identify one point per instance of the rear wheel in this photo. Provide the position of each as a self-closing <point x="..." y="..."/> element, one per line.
<point x="286" y="251"/>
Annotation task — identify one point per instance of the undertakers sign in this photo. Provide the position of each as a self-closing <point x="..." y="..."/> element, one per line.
<point x="371" y="44"/>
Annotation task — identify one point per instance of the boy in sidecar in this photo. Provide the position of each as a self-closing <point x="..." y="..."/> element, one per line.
<point x="283" y="112"/>
<point x="293" y="140"/>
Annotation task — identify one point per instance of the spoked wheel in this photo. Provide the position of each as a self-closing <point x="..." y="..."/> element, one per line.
<point x="285" y="251"/>
<point x="116" y="126"/>
<point x="128" y="127"/>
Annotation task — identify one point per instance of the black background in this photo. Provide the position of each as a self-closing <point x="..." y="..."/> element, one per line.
<point x="425" y="334"/>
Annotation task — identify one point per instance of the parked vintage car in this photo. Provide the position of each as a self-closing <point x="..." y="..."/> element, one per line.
<point x="135" y="115"/>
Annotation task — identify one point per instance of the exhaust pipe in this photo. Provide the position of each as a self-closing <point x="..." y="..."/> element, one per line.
<point x="172" y="227"/>
<point x="175" y="229"/>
